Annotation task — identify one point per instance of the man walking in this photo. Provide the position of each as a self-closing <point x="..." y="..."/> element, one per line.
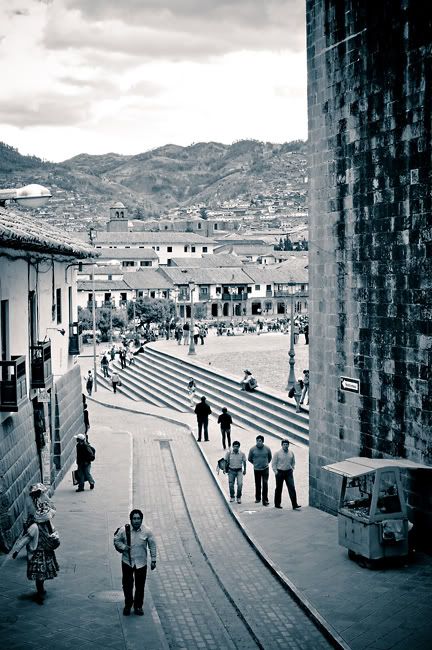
<point x="235" y="460"/>
<point x="225" y="421"/>
<point x="132" y="541"/>
<point x="260" y="456"/>
<point x="283" y="465"/>
<point x="85" y="455"/>
<point x="89" y="383"/>
<point x="202" y="411"/>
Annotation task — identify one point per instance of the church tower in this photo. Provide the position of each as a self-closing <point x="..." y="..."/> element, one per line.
<point x="118" y="221"/>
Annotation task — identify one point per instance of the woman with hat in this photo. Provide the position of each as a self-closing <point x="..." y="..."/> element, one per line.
<point x="248" y="383"/>
<point x="40" y="538"/>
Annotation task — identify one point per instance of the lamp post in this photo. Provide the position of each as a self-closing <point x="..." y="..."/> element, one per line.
<point x="291" y="375"/>
<point x="192" y="324"/>
<point x="94" y="327"/>
<point x="30" y="196"/>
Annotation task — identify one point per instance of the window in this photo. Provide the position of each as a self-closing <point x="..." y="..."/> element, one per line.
<point x="218" y="290"/>
<point x="215" y="227"/>
<point x="152" y="294"/>
<point x="205" y="249"/>
<point x="185" y="249"/>
<point x="199" y="226"/>
<point x="169" y="249"/>
<point x="193" y="249"/>
<point x="166" y="227"/>
<point x="140" y="294"/>
<point x="145" y="263"/>
<point x="109" y="276"/>
<point x="204" y="291"/>
<point x="127" y="246"/>
<point x="140" y="246"/>
<point x="128" y="263"/>
<point x="59" y="305"/>
<point x="123" y="296"/>
<point x="249" y="289"/>
<point x="257" y="287"/>
<point x="268" y="287"/>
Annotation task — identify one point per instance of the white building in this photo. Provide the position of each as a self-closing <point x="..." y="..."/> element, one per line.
<point x="40" y="383"/>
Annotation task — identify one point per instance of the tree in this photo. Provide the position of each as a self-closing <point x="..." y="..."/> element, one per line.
<point x="204" y="213"/>
<point x="151" y="310"/>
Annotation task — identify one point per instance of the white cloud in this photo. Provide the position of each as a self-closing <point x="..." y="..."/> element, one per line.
<point x="103" y="76"/>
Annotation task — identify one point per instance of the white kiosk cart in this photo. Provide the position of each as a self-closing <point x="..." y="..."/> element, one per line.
<point x="372" y="514"/>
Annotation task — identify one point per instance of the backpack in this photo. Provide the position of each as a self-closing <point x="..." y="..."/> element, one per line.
<point x="128" y="538"/>
<point x="291" y="392"/>
<point x="91" y="453"/>
<point x="253" y="382"/>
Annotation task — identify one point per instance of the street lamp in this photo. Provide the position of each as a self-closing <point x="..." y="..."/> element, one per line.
<point x="291" y="376"/>
<point x="191" y="338"/>
<point x="94" y="327"/>
<point x="30" y="196"/>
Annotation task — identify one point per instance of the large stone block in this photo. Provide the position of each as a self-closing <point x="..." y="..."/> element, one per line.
<point x="370" y="212"/>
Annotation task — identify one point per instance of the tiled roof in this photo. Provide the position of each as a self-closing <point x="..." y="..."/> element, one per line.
<point x="292" y="270"/>
<point x="144" y="237"/>
<point x="245" y="249"/>
<point x="226" y="276"/>
<point x="22" y="232"/>
<point x="127" y="253"/>
<point x="102" y="285"/>
<point x="207" y="261"/>
<point x="147" y="279"/>
<point x="111" y="269"/>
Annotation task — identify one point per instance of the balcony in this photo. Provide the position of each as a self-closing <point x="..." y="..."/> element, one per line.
<point x="203" y="295"/>
<point x="184" y="296"/>
<point x="41" y="372"/>
<point x="13" y="384"/>
<point x="75" y="338"/>
<point x="234" y="296"/>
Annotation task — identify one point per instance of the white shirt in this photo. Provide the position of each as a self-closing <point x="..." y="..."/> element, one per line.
<point x="140" y="539"/>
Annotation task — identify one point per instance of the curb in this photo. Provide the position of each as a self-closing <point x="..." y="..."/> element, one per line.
<point x="321" y="623"/>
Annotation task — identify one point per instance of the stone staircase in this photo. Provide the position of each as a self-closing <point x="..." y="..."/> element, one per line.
<point x="161" y="379"/>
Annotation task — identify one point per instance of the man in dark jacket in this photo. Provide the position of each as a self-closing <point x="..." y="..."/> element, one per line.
<point x="225" y="421"/>
<point x="85" y="456"/>
<point x="202" y="411"/>
<point x="260" y="457"/>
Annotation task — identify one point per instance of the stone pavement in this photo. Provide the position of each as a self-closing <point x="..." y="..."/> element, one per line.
<point x="378" y="610"/>
<point x="210" y="590"/>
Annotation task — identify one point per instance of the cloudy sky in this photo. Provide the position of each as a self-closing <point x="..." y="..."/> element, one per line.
<point x="128" y="75"/>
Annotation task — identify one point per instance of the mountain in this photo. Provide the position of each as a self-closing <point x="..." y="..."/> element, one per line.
<point x="205" y="173"/>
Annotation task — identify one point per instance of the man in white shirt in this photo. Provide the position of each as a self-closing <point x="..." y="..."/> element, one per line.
<point x="132" y="541"/>
<point x="283" y="465"/>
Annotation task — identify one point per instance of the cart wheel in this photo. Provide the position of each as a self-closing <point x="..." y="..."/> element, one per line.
<point x="352" y="555"/>
<point x="365" y="563"/>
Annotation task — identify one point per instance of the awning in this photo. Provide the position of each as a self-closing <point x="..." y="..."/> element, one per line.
<point x="358" y="466"/>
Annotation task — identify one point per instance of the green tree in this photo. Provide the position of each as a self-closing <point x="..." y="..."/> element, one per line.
<point x="204" y="213"/>
<point x="151" y="310"/>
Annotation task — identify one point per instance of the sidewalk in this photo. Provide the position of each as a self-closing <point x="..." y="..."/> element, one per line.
<point x="83" y="606"/>
<point x="377" y="610"/>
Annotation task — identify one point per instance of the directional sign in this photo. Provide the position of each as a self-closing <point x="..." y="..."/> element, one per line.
<point x="349" y="384"/>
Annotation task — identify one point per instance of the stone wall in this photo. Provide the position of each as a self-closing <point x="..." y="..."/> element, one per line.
<point x="369" y="109"/>
<point x="19" y="468"/>
<point x="69" y="421"/>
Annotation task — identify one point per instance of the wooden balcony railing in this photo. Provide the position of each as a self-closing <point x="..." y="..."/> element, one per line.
<point x="75" y="338"/>
<point x="13" y="384"/>
<point x="41" y="371"/>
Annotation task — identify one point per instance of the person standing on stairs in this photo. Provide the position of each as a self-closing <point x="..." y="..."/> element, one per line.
<point x="202" y="411"/>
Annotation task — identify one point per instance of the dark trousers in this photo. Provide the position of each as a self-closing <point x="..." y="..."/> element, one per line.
<point x="114" y="385"/>
<point x="285" y="476"/>
<point x="261" y="479"/>
<point x="201" y="424"/>
<point x="226" y="437"/>
<point x="140" y="575"/>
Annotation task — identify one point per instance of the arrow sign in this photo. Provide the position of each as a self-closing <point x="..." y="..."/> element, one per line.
<point x="350" y="385"/>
